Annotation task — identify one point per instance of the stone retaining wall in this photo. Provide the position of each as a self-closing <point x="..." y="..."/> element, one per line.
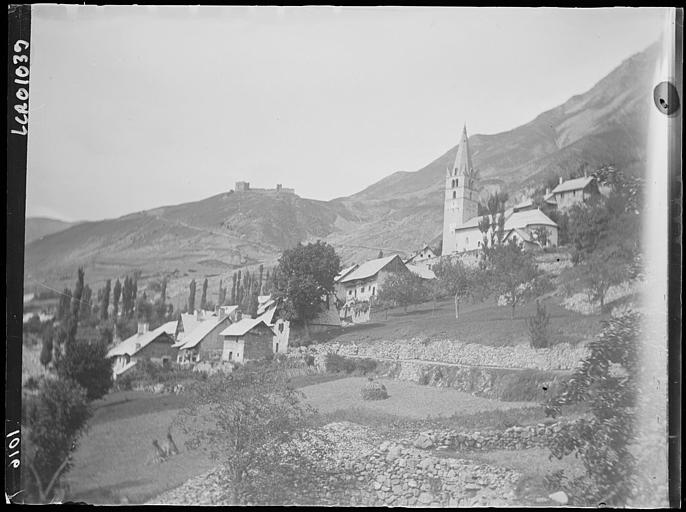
<point x="560" y="357"/>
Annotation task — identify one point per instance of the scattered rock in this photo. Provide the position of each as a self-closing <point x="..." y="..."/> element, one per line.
<point x="559" y="497"/>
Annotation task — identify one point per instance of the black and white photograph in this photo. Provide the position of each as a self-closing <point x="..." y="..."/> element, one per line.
<point x="344" y="256"/>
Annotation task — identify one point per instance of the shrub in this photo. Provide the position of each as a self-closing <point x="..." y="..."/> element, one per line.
<point x="373" y="390"/>
<point x="538" y="327"/>
<point x="335" y="363"/>
<point x="86" y="363"/>
<point x="309" y="360"/>
<point x="54" y="421"/>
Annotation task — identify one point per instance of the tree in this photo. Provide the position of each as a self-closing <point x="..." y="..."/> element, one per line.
<point x="64" y="305"/>
<point x="305" y="278"/>
<point x="541" y="235"/>
<point x="222" y="293"/>
<point x="203" y="297"/>
<point x="512" y="273"/>
<point x="163" y="290"/>
<point x="403" y="288"/>
<point x="607" y="381"/>
<point x="233" y="289"/>
<point x="115" y="298"/>
<point x="455" y="279"/>
<point x="86" y="363"/>
<point x="602" y="269"/>
<point x="380" y="255"/>
<point x="105" y="302"/>
<point x="46" y="351"/>
<point x="538" y="327"/>
<point x="53" y="422"/>
<point x="191" y="296"/>
<point x="250" y="420"/>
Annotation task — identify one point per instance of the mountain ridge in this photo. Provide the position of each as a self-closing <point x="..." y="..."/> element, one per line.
<point x="606" y="124"/>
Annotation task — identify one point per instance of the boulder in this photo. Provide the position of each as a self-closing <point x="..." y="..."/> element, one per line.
<point x="423" y="441"/>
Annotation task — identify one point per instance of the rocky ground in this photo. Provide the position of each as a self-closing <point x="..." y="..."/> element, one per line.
<point x="369" y="471"/>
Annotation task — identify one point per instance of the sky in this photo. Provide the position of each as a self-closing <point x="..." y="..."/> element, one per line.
<point x="136" y="107"/>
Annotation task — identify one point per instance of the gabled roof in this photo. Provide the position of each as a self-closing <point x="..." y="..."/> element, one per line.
<point x="345" y="272"/>
<point x="261" y="299"/>
<point x="243" y="326"/>
<point x="137" y="342"/>
<point x="421" y="271"/>
<point x="575" y="184"/>
<point x="189" y="322"/>
<point x="191" y="339"/>
<point x="369" y="268"/>
<point x="268" y="316"/>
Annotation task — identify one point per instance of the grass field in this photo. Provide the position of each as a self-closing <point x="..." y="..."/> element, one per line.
<point x="406" y="399"/>
<point x="112" y="461"/>
<point x="484" y="323"/>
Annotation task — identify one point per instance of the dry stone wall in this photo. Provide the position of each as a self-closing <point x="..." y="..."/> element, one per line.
<point x="560" y="357"/>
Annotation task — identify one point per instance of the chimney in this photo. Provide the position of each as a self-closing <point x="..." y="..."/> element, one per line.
<point x="547" y="190"/>
<point x="585" y="173"/>
<point x="560" y="180"/>
<point x="142" y="327"/>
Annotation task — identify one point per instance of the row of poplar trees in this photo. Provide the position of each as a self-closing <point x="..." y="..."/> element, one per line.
<point x="245" y="288"/>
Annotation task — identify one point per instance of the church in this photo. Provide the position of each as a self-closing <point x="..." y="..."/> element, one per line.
<point x="461" y="233"/>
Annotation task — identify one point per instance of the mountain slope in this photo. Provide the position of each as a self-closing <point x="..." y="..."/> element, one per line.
<point x="607" y="124"/>
<point x="37" y="227"/>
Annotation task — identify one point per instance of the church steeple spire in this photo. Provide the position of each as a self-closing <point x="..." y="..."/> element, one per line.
<point x="463" y="159"/>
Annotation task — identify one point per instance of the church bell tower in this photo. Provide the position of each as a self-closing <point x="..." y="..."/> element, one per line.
<point x="461" y="197"/>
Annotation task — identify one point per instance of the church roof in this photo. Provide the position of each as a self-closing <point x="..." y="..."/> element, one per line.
<point x="463" y="159"/>
<point x="514" y="220"/>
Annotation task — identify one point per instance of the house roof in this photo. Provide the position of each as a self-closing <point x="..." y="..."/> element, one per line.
<point x="137" y="342"/>
<point x="575" y="184"/>
<point x="261" y="299"/>
<point x="268" y="316"/>
<point x="369" y="269"/>
<point x="524" y="235"/>
<point x="421" y="271"/>
<point x="345" y="272"/>
<point x="264" y="306"/>
<point x="198" y="334"/>
<point x="243" y="326"/>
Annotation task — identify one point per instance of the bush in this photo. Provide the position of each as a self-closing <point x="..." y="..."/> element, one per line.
<point x="86" y="363"/>
<point x="336" y="364"/>
<point x="54" y="421"/>
<point x="373" y="390"/>
<point x="538" y="327"/>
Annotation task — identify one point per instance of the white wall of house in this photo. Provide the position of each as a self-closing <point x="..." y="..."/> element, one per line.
<point x="282" y="330"/>
<point x="363" y="290"/>
<point x="234" y="349"/>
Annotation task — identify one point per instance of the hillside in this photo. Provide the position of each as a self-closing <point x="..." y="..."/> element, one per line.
<point x="214" y="236"/>
<point x="38" y="227"/>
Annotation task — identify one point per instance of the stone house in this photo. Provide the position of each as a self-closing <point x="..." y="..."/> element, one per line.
<point x="424" y="256"/>
<point x="364" y="282"/>
<point x="203" y="342"/>
<point x="249" y="339"/>
<point x="571" y="192"/>
<point x="156" y="345"/>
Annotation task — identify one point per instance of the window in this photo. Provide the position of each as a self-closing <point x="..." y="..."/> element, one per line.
<point x="457" y="182"/>
<point x="373" y="290"/>
<point x="350" y="292"/>
<point x="454" y="195"/>
<point x="280" y="327"/>
<point x="362" y="290"/>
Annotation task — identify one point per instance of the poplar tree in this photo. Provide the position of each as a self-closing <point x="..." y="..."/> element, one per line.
<point x="105" y="302"/>
<point x="191" y="297"/>
<point x="203" y="297"/>
<point x="115" y="298"/>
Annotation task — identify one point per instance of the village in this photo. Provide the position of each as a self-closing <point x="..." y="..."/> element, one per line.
<point x="389" y="257"/>
<point x="361" y="329"/>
